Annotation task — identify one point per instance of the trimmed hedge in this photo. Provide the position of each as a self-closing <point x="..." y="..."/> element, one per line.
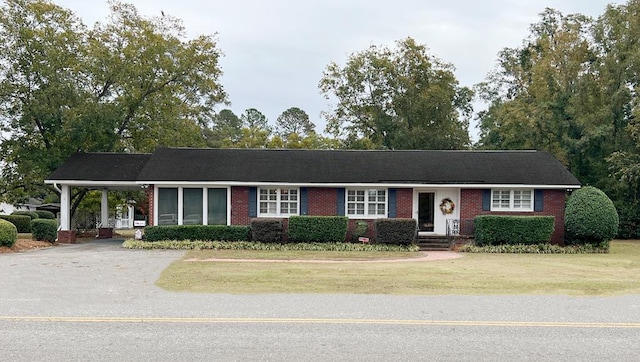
<point x="396" y="231"/>
<point x="32" y="214"/>
<point x="197" y="232"/>
<point x="44" y="230"/>
<point x="8" y="233"/>
<point x="267" y="230"/>
<point x="22" y="222"/>
<point x="590" y="217"/>
<point x="318" y="229"/>
<point x="527" y="230"/>
<point x="44" y="214"/>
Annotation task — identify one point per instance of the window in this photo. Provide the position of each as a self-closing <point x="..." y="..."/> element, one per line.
<point x="168" y="206"/>
<point x="367" y="202"/>
<point x="511" y="200"/>
<point x="278" y="202"/>
<point x="192" y="206"/>
<point x="217" y="207"/>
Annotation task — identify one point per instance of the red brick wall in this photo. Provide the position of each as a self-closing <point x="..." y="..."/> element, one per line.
<point x="404" y="203"/>
<point x="240" y="205"/>
<point x="322" y="201"/>
<point x="553" y="205"/>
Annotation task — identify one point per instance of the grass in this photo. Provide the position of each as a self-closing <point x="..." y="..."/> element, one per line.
<point x="615" y="273"/>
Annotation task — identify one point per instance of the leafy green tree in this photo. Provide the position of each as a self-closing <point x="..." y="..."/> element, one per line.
<point x="401" y="98"/>
<point x="255" y="130"/>
<point x="226" y="129"/>
<point x="294" y="121"/>
<point x="130" y="84"/>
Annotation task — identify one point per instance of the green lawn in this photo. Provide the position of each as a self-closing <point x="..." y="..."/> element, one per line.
<point x="573" y="274"/>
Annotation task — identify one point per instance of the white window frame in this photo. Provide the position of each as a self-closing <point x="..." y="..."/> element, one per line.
<point x="278" y="201"/>
<point x="366" y="203"/>
<point x="512" y="203"/>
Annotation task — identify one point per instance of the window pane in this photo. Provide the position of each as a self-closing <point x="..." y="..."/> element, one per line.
<point x="168" y="206"/>
<point x="217" y="208"/>
<point x="191" y="206"/>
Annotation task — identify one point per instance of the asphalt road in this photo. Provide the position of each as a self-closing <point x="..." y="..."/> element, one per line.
<point x="98" y="302"/>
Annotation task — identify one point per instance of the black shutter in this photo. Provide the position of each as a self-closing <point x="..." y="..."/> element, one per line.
<point x="538" y="200"/>
<point x="486" y="200"/>
<point x="253" y="202"/>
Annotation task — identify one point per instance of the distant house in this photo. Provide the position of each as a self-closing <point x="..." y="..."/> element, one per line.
<point x="440" y="189"/>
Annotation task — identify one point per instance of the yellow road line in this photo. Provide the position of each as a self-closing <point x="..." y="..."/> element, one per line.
<point x="317" y="321"/>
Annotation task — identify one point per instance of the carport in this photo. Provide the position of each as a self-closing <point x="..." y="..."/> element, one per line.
<point x="96" y="171"/>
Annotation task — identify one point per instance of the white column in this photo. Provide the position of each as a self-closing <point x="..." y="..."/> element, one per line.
<point x="205" y="206"/>
<point x="180" y="205"/>
<point x="65" y="208"/>
<point x="104" y="209"/>
<point x="131" y="212"/>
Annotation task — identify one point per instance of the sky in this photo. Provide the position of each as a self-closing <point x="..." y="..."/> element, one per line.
<point x="276" y="50"/>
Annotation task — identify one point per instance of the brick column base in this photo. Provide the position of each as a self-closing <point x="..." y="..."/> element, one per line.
<point x="67" y="236"/>
<point x="105" y="233"/>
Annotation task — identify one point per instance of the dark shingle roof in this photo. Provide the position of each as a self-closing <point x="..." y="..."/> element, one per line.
<point x="342" y="167"/>
<point x="101" y="167"/>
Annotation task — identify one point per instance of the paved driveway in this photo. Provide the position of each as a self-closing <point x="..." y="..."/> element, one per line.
<point x="97" y="301"/>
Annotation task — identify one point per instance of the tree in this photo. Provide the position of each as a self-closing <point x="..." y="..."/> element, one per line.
<point x="225" y="131"/>
<point x="255" y="129"/>
<point x="130" y="84"/>
<point x="294" y="121"/>
<point x="397" y="99"/>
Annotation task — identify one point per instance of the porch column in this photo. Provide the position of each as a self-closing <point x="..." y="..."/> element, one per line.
<point x="104" y="209"/>
<point x="65" y="234"/>
<point x="104" y="231"/>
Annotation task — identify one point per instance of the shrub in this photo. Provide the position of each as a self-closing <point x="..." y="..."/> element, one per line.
<point x="527" y="230"/>
<point x="32" y="214"/>
<point x="360" y="229"/>
<point x="197" y="232"/>
<point x="8" y="233"/>
<point x="44" y="229"/>
<point x="22" y="222"/>
<point x="319" y="229"/>
<point x="396" y="231"/>
<point x="266" y="230"/>
<point x="245" y="245"/>
<point x="590" y="217"/>
<point x="44" y="214"/>
<point x="535" y="249"/>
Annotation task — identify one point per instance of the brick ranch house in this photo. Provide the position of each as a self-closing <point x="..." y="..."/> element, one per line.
<point x="442" y="190"/>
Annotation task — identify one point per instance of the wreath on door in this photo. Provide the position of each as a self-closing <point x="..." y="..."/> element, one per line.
<point x="447" y="206"/>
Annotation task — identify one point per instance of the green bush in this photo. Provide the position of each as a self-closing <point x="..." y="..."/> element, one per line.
<point x="8" y="233"/>
<point x="266" y="230"/>
<point x="527" y="230"/>
<point x="32" y="214"/>
<point x="197" y="232"/>
<point x="44" y="214"/>
<point x="318" y="229"/>
<point x="44" y="230"/>
<point x="590" y="217"/>
<point x="22" y="222"/>
<point x="396" y="231"/>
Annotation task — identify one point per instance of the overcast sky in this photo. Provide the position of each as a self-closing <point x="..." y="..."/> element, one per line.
<point x="276" y="50"/>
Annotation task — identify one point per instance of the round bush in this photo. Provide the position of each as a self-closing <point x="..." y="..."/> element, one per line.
<point x="8" y="233"/>
<point x="32" y="214"/>
<point x="44" y="230"/>
<point x="590" y="217"/>
<point x="44" y="214"/>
